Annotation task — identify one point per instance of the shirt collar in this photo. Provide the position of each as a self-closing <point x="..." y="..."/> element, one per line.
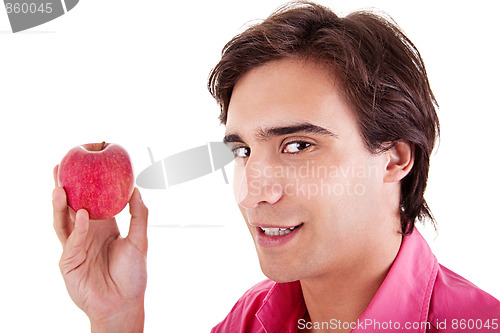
<point x="403" y="297"/>
<point x="282" y="308"/>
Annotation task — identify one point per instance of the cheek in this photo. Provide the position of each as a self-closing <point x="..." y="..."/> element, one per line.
<point x="240" y="185"/>
<point x="330" y="184"/>
<point x="342" y="195"/>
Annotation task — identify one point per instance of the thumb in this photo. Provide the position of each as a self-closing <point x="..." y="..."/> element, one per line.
<point x="137" y="233"/>
<point x="74" y="252"/>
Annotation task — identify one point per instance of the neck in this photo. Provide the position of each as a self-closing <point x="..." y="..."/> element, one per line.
<point x="342" y="297"/>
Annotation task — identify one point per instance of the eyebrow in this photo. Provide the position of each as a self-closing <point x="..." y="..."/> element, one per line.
<point x="268" y="133"/>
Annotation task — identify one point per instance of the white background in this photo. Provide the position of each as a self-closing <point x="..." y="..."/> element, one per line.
<point x="134" y="73"/>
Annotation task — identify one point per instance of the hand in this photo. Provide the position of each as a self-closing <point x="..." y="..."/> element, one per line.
<point x="105" y="274"/>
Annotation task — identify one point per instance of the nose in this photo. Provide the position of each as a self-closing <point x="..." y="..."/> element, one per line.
<point x="255" y="182"/>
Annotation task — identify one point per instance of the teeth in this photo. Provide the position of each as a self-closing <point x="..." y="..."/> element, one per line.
<point x="277" y="231"/>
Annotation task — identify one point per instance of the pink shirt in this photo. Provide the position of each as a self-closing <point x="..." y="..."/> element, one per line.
<point x="417" y="295"/>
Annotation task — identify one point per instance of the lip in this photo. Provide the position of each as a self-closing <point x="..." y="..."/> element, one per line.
<point x="274" y="241"/>
<point x="275" y="225"/>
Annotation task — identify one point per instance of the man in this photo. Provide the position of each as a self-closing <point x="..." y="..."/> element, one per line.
<point x="332" y="123"/>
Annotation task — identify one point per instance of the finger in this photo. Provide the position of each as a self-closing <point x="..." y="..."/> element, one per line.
<point x="62" y="222"/>
<point x="56" y="169"/>
<point x="74" y="253"/>
<point x="137" y="233"/>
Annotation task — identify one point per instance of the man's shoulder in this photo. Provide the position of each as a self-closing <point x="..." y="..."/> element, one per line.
<point x="456" y="299"/>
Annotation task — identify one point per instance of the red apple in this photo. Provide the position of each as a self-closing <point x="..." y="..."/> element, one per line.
<point x="97" y="177"/>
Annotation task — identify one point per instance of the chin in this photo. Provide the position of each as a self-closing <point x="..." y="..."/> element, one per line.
<point x="280" y="278"/>
<point x="280" y="274"/>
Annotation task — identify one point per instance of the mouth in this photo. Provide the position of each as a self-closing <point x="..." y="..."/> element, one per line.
<point x="278" y="231"/>
<point x="276" y="236"/>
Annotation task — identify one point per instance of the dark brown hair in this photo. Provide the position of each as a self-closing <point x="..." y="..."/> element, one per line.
<point x="381" y="73"/>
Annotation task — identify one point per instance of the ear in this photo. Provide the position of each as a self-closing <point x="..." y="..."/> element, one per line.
<point x="400" y="160"/>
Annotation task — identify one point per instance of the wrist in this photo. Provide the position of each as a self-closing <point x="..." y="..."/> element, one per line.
<point x="130" y="321"/>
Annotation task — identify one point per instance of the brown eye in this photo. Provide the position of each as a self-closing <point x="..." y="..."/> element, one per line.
<point x="296" y="147"/>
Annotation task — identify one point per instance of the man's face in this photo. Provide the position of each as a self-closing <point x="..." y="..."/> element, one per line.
<point x="301" y="166"/>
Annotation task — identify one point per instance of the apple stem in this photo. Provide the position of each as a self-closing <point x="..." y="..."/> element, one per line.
<point x="102" y="145"/>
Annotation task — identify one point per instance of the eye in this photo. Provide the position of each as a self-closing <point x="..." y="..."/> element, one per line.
<point x="296" y="147"/>
<point x="241" y="152"/>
